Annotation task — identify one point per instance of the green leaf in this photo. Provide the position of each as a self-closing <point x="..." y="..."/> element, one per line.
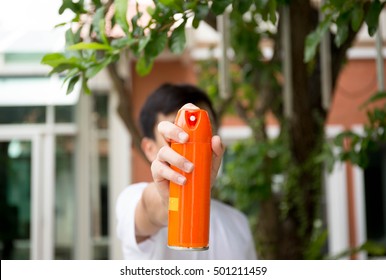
<point x="99" y="15"/>
<point x="342" y="23"/>
<point x="376" y="97"/>
<point x="99" y="24"/>
<point x="60" y="24"/>
<point x="242" y="6"/>
<point x="150" y="11"/>
<point x="357" y="17"/>
<point x="177" y="39"/>
<point x="97" y="3"/>
<point x="144" y="65"/>
<point x="59" y="62"/>
<point x="102" y="33"/>
<point x="143" y="42"/>
<point x="89" y="46"/>
<point x="76" y="7"/>
<point x="97" y="67"/>
<point x="341" y="35"/>
<point x="167" y="2"/>
<point x="121" y="14"/>
<point x="157" y="44"/>
<point x="313" y="39"/>
<point x="63" y="67"/>
<point x="201" y="11"/>
<point x="261" y="4"/>
<point x="372" y="16"/>
<point x="195" y="22"/>
<point x="85" y="87"/>
<point x="71" y="84"/>
<point x="73" y="72"/>
<point x="272" y="11"/>
<point x="315" y="248"/>
<point x="93" y="70"/>
<point x="338" y="3"/>
<point x="138" y="31"/>
<point x="67" y="4"/>
<point x="218" y="7"/>
<point x="374" y="248"/>
<point x="71" y="37"/>
<point x="174" y="4"/>
<point x="53" y="59"/>
<point x="123" y="42"/>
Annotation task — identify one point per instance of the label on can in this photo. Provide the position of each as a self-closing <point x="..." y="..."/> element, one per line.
<point x="173" y="204"/>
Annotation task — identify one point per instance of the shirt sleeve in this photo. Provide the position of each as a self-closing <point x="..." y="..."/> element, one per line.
<point x="125" y="212"/>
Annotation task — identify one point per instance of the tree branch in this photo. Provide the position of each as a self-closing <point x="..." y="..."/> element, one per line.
<point x="125" y="106"/>
<point x="338" y="54"/>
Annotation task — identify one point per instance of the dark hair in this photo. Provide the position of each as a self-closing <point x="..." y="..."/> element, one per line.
<point x="167" y="99"/>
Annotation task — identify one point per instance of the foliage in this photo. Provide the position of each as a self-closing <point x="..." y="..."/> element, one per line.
<point x="315" y="250"/>
<point x="83" y="60"/>
<point x="246" y="179"/>
<point x="343" y="14"/>
<point x="207" y="73"/>
<point x="90" y="48"/>
<point x="370" y="247"/>
<point x="356" y="147"/>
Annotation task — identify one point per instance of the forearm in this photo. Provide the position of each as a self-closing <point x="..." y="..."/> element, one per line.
<point x="151" y="213"/>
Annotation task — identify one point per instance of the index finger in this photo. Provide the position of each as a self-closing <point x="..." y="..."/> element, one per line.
<point x="170" y="132"/>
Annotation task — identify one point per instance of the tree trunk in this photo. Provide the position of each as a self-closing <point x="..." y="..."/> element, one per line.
<point x="292" y="231"/>
<point x="268" y="229"/>
<point x="304" y="135"/>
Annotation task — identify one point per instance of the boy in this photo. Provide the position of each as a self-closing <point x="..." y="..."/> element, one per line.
<point x="142" y="208"/>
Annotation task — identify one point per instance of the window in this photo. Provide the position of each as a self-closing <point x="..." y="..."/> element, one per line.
<point x="100" y="171"/>
<point x="375" y="196"/>
<point x="23" y="115"/>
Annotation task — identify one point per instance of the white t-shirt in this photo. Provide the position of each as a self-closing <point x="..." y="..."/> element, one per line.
<point x="229" y="238"/>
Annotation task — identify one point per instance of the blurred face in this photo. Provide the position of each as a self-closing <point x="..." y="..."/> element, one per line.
<point x="152" y="146"/>
<point x="159" y="140"/>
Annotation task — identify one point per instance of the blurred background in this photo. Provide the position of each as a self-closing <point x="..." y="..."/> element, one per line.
<point x="64" y="158"/>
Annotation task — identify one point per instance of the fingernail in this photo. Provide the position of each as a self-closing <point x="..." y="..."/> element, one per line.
<point x="181" y="180"/>
<point x="190" y="105"/>
<point x="183" y="136"/>
<point x="188" y="166"/>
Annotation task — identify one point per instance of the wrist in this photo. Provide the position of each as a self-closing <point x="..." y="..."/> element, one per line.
<point x="155" y="210"/>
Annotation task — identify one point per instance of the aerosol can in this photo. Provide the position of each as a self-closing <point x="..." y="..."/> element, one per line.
<point x="189" y="205"/>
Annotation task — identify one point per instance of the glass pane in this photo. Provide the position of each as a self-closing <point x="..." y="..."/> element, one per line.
<point x="65" y="197"/>
<point x="15" y="199"/>
<point x="64" y="114"/>
<point x="23" y="57"/>
<point x="375" y="197"/>
<point x="101" y="108"/>
<point x="18" y="115"/>
<point x="101" y="238"/>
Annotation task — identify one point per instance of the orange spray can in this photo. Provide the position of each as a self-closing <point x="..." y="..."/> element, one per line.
<point x="189" y="205"/>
